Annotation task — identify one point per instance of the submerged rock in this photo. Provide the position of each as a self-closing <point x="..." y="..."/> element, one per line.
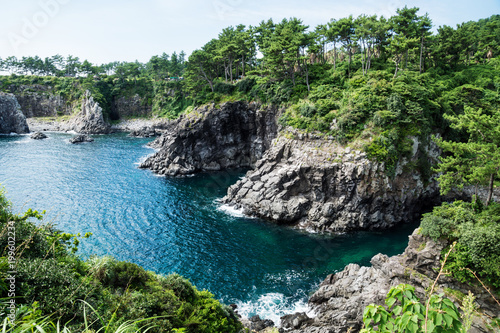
<point x="38" y="136"/>
<point x="12" y="119"/>
<point x="211" y="139"/>
<point x="81" y="138"/>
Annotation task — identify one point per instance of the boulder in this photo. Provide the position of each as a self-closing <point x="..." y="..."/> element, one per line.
<point x="38" y="136"/>
<point x="12" y="119"/>
<point x="81" y="139"/>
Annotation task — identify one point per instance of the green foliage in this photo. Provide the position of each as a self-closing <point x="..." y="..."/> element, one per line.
<point x="224" y="88"/>
<point x="477" y="161"/>
<point x="405" y="313"/>
<point x="122" y="274"/>
<point x="245" y="85"/>
<point x="477" y="233"/>
<point x="180" y="286"/>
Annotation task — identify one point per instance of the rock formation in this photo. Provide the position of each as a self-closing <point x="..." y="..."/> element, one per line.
<point x="339" y="302"/>
<point x="90" y="119"/>
<point x="209" y="139"/>
<point x="81" y="139"/>
<point x="12" y="120"/>
<point x="316" y="184"/>
<point x="38" y="136"/>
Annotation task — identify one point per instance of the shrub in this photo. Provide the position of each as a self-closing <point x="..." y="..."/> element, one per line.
<point x="180" y="286"/>
<point x="124" y="274"/>
<point x="245" y="85"/>
<point x="224" y="88"/>
<point x="53" y="284"/>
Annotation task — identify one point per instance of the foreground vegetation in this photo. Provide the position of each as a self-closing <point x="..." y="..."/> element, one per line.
<point x="56" y="290"/>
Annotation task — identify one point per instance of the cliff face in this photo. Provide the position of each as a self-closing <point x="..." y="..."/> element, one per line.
<point x="127" y="107"/>
<point x="38" y="100"/>
<point x="317" y="185"/>
<point x="341" y="298"/>
<point x="209" y="139"/>
<point x="12" y="120"/>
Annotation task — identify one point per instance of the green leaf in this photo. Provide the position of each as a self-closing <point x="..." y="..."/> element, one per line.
<point x="430" y="326"/>
<point x="448" y="319"/>
<point x="439" y="319"/>
<point x="390" y="302"/>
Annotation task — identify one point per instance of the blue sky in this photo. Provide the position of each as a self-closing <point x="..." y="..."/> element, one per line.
<point x="107" y="30"/>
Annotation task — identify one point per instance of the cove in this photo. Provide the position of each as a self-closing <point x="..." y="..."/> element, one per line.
<point x="176" y="224"/>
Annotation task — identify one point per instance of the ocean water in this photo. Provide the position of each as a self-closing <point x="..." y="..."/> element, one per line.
<point x="177" y="225"/>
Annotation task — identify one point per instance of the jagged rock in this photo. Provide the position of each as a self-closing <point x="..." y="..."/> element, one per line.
<point x="316" y="184"/>
<point x="12" y="119"/>
<point x="90" y="119"/>
<point x="295" y="321"/>
<point x="257" y="324"/>
<point x="339" y="302"/>
<point x="81" y="138"/>
<point x="210" y="139"/>
<point x="38" y="136"/>
<point x="39" y="100"/>
<point x="146" y="132"/>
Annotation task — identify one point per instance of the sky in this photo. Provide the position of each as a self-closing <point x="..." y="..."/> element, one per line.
<point x="102" y="31"/>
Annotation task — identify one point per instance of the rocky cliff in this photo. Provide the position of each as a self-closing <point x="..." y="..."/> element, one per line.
<point x="209" y="139"/>
<point x="39" y="101"/>
<point x="315" y="184"/>
<point x="128" y="107"/>
<point x="339" y="302"/>
<point x="12" y="120"/>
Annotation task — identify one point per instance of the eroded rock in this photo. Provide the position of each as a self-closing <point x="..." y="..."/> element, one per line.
<point x="12" y="119"/>
<point x="81" y="139"/>
<point x="38" y="136"/>
<point x="316" y="184"/>
<point x="342" y="297"/>
<point x="212" y="139"/>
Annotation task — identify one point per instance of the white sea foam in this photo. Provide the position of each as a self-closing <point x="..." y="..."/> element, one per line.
<point x="230" y="210"/>
<point x="273" y="306"/>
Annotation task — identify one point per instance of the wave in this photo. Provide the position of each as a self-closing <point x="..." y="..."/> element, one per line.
<point x="231" y="210"/>
<point x="274" y="305"/>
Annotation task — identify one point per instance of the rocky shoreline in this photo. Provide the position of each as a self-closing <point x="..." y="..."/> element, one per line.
<point x="339" y="302"/>
<point x="303" y="180"/>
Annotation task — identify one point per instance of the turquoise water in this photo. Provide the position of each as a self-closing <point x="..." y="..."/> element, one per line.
<point x="176" y="225"/>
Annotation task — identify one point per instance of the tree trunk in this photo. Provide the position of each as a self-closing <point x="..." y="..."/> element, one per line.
<point x="406" y="59"/>
<point x="490" y="189"/>
<point x="242" y="66"/>
<point x="397" y="67"/>
<point x="334" y="56"/>
<point x="421" y="52"/>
